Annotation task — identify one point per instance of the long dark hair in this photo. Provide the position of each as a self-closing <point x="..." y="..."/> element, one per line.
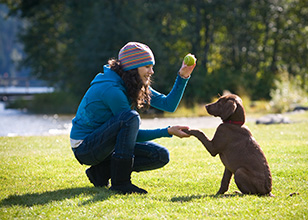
<point x="138" y="93"/>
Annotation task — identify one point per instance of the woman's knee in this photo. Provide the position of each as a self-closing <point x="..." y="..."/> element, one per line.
<point x="164" y="155"/>
<point x="149" y="156"/>
<point x="131" y="118"/>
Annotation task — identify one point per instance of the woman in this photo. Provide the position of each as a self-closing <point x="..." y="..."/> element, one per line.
<point x="105" y="132"/>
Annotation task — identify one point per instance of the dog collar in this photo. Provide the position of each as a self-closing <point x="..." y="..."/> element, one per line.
<point x="234" y="122"/>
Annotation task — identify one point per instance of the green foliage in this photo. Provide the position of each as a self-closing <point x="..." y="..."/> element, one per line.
<point x="41" y="179"/>
<point x="10" y="51"/>
<point x="288" y="93"/>
<point x="240" y="45"/>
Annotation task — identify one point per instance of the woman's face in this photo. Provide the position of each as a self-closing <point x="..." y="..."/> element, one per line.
<point x="145" y="73"/>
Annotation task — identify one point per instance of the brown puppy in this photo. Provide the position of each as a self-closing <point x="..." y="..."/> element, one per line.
<point x="238" y="150"/>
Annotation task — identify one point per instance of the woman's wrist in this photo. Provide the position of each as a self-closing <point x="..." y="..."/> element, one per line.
<point x="183" y="77"/>
<point x="169" y="130"/>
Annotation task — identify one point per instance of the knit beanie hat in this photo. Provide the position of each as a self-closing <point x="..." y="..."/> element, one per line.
<point x="134" y="55"/>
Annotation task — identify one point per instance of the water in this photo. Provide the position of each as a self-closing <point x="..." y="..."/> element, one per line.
<point x="20" y="123"/>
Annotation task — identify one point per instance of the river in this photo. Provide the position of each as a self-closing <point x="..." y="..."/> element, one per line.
<point x="20" y="123"/>
<point x="15" y="122"/>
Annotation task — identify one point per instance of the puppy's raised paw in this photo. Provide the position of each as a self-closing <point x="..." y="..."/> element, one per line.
<point x="186" y="131"/>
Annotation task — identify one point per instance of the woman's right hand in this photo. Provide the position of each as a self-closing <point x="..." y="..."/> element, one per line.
<point x="185" y="70"/>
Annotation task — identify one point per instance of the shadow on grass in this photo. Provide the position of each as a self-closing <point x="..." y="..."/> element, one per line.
<point x="192" y="197"/>
<point x="30" y="199"/>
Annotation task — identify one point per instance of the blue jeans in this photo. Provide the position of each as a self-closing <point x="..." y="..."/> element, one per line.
<point x="118" y="136"/>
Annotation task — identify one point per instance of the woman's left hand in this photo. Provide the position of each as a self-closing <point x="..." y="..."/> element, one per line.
<point x="185" y="70"/>
<point x="178" y="131"/>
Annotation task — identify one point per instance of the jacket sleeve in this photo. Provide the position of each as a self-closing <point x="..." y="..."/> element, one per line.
<point x="150" y="134"/>
<point x="171" y="101"/>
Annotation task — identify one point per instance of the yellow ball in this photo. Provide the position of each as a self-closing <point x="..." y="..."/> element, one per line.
<point x="189" y="60"/>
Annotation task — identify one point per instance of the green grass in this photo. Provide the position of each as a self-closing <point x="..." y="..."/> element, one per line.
<point x="40" y="179"/>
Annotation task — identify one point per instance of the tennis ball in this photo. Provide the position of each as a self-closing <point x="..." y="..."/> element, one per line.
<point x="189" y="59"/>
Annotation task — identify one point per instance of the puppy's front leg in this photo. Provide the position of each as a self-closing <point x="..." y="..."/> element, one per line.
<point x="224" y="186"/>
<point x="204" y="140"/>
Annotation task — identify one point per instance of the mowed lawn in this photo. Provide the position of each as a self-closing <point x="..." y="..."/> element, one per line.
<point x="40" y="179"/>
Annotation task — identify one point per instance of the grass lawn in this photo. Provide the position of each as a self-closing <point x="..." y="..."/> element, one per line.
<point x="40" y="179"/>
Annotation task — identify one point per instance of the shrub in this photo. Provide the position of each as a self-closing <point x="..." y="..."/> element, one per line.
<point x="287" y="93"/>
<point x="52" y="103"/>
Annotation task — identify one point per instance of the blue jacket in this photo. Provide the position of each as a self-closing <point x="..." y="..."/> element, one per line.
<point x="107" y="97"/>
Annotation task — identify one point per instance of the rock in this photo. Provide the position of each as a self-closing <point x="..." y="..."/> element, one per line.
<point x="300" y="108"/>
<point x="273" y="119"/>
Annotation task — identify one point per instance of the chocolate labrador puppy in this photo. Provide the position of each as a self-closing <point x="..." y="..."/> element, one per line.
<point x="238" y="150"/>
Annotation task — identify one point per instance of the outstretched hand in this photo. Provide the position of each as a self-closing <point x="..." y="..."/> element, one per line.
<point x="178" y="131"/>
<point x="185" y="70"/>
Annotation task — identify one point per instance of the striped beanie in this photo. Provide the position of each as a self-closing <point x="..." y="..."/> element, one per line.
<point x="134" y="55"/>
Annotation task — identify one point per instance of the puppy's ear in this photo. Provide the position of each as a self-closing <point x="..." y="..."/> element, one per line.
<point x="228" y="109"/>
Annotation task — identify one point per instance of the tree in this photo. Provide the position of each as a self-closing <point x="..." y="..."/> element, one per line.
<point x="240" y="45"/>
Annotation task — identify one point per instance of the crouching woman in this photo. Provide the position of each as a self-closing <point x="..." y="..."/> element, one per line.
<point x="105" y="132"/>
